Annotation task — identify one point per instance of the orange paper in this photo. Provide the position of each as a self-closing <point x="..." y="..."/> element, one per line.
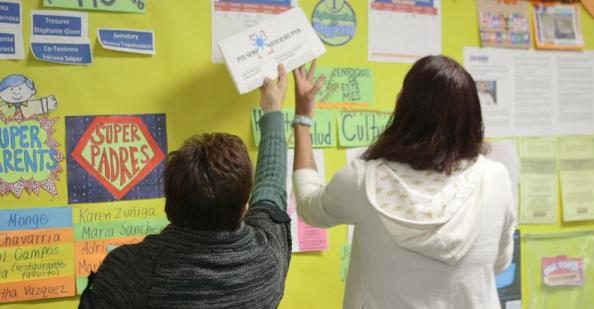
<point x="589" y="5"/>
<point x="37" y="289"/>
<point x="21" y="238"/>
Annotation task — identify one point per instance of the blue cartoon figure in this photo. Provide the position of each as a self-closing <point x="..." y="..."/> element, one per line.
<point x="16" y="98"/>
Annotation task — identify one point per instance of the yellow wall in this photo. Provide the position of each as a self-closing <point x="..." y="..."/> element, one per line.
<point x="198" y="96"/>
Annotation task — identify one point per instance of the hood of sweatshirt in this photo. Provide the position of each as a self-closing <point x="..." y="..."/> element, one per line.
<point x="430" y="213"/>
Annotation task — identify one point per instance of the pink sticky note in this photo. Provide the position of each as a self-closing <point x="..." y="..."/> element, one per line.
<point x="311" y="238"/>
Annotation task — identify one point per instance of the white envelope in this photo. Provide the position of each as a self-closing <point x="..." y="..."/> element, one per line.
<point x="255" y="53"/>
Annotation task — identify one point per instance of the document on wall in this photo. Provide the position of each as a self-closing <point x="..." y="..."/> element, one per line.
<point x="528" y="93"/>
<point x="538" y="180"/>
<point x="229" y="17"/>
<point x="60" y="37"/>
<point x="11" y="30"/>
<point x="558" y="26"/>
<point x="505" y="152"/>
<point x="255" y="53"/>
<point x="403" y="30"/>
<point x="304" y="237"/>
<point x="576" y="172"/>
<point x="503" y="24"/>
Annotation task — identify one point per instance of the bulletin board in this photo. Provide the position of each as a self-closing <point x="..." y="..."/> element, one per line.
<point x="197" y="97"/>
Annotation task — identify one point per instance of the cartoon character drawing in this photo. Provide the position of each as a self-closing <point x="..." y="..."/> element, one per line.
<point x="16" y="98"/>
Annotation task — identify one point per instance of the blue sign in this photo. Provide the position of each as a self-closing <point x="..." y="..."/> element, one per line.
<point x="7" y="44"/>
<point x="35" y="218"/>
<point x="62" y="52"/>
<point x="10" y="13"/>
<point x="424" y="3"/>
<point x="57" y="25"/>
<point x="508" y="282"/>
<point x="127" y="40"/>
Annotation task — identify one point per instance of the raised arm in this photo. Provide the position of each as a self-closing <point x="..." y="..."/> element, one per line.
<point x="271" y="169"/>
<point x="305" y="94"/>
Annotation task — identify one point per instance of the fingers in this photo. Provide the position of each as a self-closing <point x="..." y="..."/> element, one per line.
<point x="318" y="85"/>
<point x="297" y="73"/>
<point x="312" y="71"/>
<point x="302" y="71"/>
<point x="266" y="83"/>
<point x="282" y="76"/>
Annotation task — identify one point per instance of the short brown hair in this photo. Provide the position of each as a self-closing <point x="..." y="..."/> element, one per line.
<point x="437" y="120"/>
<point x="207" y="182"/>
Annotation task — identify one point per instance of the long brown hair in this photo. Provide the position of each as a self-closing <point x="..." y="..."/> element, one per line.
<point x="437" y="119"/>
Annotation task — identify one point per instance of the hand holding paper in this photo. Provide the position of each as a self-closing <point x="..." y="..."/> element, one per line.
<point x="254" y="54"/>
<point x="272" y="95"/>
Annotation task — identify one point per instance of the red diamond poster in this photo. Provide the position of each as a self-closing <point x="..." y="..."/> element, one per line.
<point x="115" y="157"/>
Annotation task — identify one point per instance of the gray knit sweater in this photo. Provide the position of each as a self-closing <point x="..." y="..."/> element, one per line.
<point x="185" y="268"/>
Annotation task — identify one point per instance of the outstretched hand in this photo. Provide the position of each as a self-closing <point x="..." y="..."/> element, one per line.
<point x="306" y="89"/>
<point x="272" y="94"/>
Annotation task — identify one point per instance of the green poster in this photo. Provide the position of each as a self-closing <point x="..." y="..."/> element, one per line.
<point x="345" y="260"/>
<point x="576" y="173"/>
<point x="132" y="6"/>
<point x="346" y="86"/>
<point x="361" y="128"/>
<point x="323" y="131"/>
<point x="559" y="270"/>
<point x="538" y="180"/>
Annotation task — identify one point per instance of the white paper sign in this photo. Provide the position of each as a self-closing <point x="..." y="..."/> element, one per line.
<point x="255" y="53"/>
<point x="529" y="93"/>
<point x="231" y="17"/>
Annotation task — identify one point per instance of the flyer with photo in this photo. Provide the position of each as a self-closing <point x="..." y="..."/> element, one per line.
<point x="557" y="26"/>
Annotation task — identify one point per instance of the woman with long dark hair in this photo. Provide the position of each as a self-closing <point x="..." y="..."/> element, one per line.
<point x="434" y="219"/>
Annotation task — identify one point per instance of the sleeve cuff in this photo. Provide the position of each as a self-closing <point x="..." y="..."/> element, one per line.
<point x="272" y="122"/>
<point x="307" y="176"/>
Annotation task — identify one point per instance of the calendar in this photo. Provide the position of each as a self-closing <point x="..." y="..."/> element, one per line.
<point x="404" y="30"/>
<point x="232" y="16"/>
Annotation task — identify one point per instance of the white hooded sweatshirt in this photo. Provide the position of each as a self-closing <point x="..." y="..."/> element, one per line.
<point x="422" y="239"/>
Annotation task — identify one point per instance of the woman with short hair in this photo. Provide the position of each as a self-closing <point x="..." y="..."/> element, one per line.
<point x="434" y="219"/>
<point x="217" y="252"/>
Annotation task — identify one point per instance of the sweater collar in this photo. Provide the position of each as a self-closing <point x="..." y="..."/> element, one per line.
<point x="185" y="236"/>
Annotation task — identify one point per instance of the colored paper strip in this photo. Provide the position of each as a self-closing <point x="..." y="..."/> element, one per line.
<point x="36" y="237"/>
<point x="130" y="6"/>
<point x="35" y="218"/>
<point x="37" y="289"/>
<point x="118" y="229"/>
